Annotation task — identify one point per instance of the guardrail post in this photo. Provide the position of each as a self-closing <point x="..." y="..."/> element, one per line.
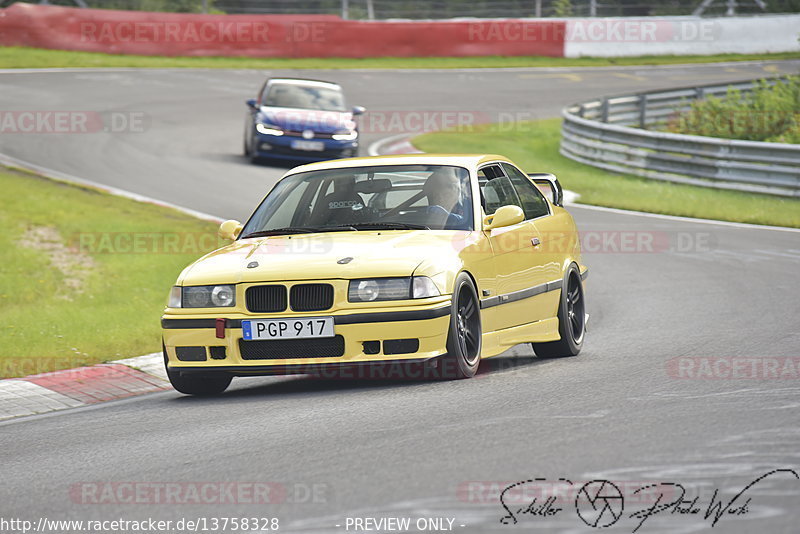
<point x="643" y="110"/>
<point x="699" y="93"/>
<point x="604" y="110"/>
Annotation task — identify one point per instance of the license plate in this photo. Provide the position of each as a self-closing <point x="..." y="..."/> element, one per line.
<point x="317" y="146"/>
<point x="302" y="327"/>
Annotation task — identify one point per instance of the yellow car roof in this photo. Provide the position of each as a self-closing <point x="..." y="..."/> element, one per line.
<point x="462" y="160"/>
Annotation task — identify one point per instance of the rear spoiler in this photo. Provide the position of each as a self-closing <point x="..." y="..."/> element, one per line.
<point x="549" y="185"/>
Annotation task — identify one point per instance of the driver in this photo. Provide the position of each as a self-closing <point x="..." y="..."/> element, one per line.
<point x="443" y="189"/>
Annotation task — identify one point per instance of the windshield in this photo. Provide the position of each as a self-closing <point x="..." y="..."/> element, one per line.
<point x="284" y="95"/>
<point x="435" y="197"/>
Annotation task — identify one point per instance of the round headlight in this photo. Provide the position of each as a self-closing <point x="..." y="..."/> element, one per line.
<point x="222" y="296"/>
<point x="196" y="297"/>
<point x="367" y="290"/>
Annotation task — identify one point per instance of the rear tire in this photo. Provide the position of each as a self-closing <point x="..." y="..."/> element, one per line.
<point x="200" y="384"/>
<point x="464" y="338"/>
<point x="571" y="319"/>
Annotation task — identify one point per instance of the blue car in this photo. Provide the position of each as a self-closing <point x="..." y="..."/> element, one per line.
<point x="295" y="119"/>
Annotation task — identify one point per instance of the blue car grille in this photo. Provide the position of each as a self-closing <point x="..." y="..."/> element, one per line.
<point x="299" y="133"/>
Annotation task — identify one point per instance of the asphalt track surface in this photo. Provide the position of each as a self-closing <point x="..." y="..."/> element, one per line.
<point x="346" y="448"/>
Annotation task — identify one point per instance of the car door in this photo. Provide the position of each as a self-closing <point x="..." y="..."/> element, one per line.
<point x="512" y="248"/>
<point x="546" y="259"/>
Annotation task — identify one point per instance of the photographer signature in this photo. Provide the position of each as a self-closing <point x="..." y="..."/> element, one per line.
<point x="601" y="503"/>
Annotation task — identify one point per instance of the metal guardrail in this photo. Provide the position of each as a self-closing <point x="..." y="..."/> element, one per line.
<point x="610" y="133"/>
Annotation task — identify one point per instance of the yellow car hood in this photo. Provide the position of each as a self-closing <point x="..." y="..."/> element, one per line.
<point x="324" y="256"/>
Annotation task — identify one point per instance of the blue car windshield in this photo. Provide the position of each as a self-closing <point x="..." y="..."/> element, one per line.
<point x="285" y="95"/>
<point x="435" y="197"/>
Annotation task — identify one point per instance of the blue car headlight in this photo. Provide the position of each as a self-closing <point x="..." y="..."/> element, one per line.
<point x="345" y="135"/>
<point x="268" y="129"/>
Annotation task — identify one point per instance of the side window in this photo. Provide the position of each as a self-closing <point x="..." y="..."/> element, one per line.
<point x="533" y="203"/>
<point x="497" y="189"/>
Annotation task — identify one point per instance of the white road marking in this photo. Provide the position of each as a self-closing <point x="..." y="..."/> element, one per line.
<point x="20" y="397"/>
<point x="687" y="219"/>
<point x="59" y="176"/>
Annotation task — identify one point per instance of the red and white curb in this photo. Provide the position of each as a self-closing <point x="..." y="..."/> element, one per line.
<point x="72" y="388"/>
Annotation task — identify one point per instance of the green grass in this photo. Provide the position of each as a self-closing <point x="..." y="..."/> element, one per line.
<point x="20" y="57"/>
<point x="45" y="325"/>
<point x="534" y="146"/>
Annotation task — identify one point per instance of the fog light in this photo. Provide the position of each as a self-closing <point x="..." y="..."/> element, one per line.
<point x="191" y="354"/>
<point x="400" y="346"/>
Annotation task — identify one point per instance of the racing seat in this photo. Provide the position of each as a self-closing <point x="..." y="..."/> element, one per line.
<point x="340" y="207"/>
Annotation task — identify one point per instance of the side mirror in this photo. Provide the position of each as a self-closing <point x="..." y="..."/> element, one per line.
<point x="549" y="185"/>
<point x="251" y="103"/>
<point x="504" y="216"/>
<point x="230" y="230"/>
<point x="359" y="110"/>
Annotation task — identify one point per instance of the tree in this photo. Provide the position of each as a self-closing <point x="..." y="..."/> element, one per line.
<point x="562" y="8"/>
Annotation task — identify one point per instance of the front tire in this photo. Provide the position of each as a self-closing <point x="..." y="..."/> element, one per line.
<point x="200" y="384"/>
<point x="464" y="339"/>
<point x="571" y="319"/>
<point x="250" y="151"/>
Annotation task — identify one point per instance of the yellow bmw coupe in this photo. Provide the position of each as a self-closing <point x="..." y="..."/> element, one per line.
<point x="406" y="264"/>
